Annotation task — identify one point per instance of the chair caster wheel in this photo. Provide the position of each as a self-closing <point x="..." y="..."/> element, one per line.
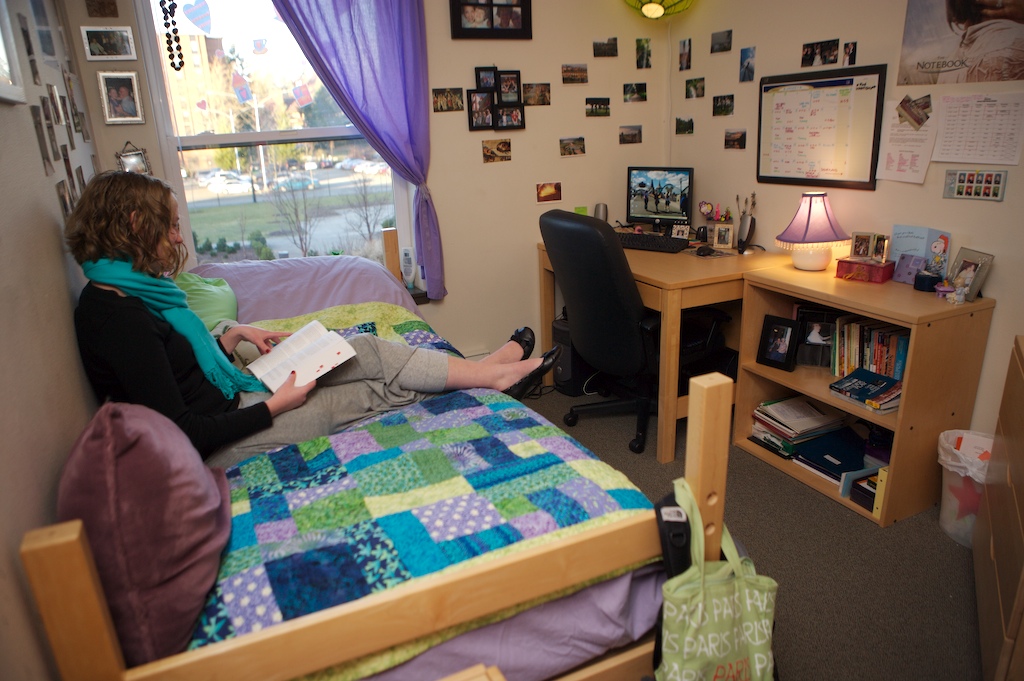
<point x="571" y="419"/>
<point x="637" y="446"/>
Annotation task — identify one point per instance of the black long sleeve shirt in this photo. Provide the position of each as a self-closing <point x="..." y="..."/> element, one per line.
<point x="131" y="355"/>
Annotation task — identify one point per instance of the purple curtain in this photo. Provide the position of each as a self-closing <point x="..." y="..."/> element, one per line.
<point x="372" y="56"/>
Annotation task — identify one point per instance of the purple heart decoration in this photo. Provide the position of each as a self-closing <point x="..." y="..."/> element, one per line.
<point x="199" y="14"/>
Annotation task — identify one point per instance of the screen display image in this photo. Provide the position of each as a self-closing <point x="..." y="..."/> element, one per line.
<point x="657" y="195"/>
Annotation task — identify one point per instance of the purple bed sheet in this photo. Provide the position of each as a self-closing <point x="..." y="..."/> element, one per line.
<point x="559" y="635"/>
<point x="280" y="289"/>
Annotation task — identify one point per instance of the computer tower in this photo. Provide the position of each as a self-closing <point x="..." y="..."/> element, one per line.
<point x="570" y="372"/>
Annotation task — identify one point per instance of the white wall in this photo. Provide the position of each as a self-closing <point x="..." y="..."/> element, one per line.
<point x="488" y="213"/>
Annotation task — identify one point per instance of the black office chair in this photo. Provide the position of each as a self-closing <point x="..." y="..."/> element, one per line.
<point x="609" y="326"/>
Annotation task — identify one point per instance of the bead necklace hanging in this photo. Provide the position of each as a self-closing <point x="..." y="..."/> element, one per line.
<point x="173" y="41"/>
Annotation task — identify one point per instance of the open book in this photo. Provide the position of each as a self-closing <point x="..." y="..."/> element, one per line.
<point x="310" y="352"/>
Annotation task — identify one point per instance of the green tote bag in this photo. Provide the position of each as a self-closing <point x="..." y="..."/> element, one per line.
<point x="717" y="615"/>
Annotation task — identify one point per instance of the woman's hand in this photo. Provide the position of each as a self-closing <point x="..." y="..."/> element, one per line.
<point x="264" y="340"/>
<point x="289" y="396"/>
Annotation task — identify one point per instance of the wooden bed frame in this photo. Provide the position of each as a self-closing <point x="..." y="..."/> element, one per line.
<point x="63" y="578"/>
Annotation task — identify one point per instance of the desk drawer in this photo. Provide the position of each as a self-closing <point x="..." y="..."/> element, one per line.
<point x="990" y="619"/>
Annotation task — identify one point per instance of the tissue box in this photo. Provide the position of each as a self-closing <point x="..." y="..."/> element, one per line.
<point x="864" y="270"/>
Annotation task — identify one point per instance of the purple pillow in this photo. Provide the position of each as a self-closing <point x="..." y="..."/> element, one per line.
<point x="157" y="520"/>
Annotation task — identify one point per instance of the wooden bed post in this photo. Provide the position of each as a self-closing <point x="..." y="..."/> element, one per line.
<point x="708" y="431"/>
<point x="62" y="574"/>
<point x="391" y="258"/>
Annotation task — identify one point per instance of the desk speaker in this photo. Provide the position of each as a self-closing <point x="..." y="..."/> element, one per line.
<point x="570" y="372"/>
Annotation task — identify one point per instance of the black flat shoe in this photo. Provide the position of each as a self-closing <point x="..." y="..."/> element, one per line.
<point x="524" y="336"/>
<point x="527" y="384"/>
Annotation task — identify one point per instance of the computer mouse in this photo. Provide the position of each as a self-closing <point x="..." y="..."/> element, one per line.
<point x="705" y="250"/>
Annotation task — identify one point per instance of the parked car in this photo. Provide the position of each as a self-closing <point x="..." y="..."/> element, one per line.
<point x="231" y="186"/>
<point x="208" y="177"/>
<point x="372" y="168"/>
<point x="348" y="163"/>
<point x="284" y="183"/>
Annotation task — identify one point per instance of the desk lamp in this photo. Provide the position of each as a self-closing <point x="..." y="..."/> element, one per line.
<point x="812" y="233"/>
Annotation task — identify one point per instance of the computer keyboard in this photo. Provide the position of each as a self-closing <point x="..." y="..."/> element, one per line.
<point x="652" y="242"/>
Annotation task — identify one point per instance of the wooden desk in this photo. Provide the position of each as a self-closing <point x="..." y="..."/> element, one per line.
<point x="668" y="282"/>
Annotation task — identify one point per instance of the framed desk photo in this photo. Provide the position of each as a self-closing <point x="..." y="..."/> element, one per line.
<point x="821" y="129"/>
<point x="491" y="19"/>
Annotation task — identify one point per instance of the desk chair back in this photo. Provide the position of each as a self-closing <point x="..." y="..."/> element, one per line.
<point x="601" y="299"/>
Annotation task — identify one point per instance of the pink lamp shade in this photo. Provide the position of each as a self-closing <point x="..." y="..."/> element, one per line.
<point x="812" y="233"/>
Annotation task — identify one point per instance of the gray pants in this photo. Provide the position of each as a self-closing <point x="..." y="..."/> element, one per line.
<point x="382" y="376"/>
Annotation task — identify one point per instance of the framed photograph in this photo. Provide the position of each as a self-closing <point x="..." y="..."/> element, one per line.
<point x="880" y="247"/>
<point x="481" y="109"/>
<point x="108" y="43"/>
<point x="724" y="236"/>
<point x="860" y="245"/>
<point x="12" y="89"/>
<point x="119" y="92"/>
<point x="510" y="90"/>
<point x="778" y="343"/>
<point x="131" y="159"/>
<point x="970" y="269"/>
<point x="486" y="77"/>
<point x="491" y="19"/>
<point x="509" y="117"/>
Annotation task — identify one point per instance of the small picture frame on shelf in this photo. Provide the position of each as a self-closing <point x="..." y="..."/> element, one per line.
<point x="860" y="245"/>
<point x="486" y="77"/>
<point x="481" y="109"/>
<point x="724" y="235"/>
<point x="970" y="269"/>
<point x="510" y="89"/>
<point x="880" y="247"/>
<point x="778" y="343"/>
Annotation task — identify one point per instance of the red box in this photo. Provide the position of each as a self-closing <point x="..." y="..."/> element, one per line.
<point x="861" y="270"/>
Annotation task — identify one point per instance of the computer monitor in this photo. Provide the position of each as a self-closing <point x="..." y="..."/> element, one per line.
<point x="659" y="196"/>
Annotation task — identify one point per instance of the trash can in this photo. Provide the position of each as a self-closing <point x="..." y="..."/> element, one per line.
<point x="964" y="455"/>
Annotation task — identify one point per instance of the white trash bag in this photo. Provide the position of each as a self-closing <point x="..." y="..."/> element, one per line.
<point x="964" y="455"/>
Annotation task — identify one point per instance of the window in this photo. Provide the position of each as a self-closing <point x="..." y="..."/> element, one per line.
<point x="271" y="166"/>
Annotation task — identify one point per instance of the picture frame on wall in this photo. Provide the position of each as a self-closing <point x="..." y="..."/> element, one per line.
<point x="119" y="92"/>
<point x="491" y="20"/>
<point x="510" y="89"/>
<point x="778" y="343"/>
<point x="509" y="117"/>
<point x="486" y="77"/>
<point x="132" y="159"/>
<point x="12" y="88"/>
<point x="481" y="109"/>
<point x="108" y="43"/>
<point x="973" y="267"/>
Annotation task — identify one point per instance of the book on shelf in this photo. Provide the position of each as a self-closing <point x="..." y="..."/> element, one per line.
<point x="762" y="435"/>
<point x="861" y="385"/>
<point x="833" y="454"/>
<point x="310" y="352"/>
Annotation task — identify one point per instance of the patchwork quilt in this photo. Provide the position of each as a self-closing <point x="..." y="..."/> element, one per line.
<point x="461" y="477"/>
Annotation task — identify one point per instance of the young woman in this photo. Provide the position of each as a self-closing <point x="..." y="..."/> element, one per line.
<point x="141" y="344"/>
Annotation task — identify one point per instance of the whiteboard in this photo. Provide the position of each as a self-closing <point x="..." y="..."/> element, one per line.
<point x="821" y="128"/>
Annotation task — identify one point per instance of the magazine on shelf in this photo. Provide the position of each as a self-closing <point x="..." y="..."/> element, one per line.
<point x="801" y="415"/>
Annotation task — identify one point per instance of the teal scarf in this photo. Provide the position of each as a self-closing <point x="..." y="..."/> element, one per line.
<point x="164" y="299"/>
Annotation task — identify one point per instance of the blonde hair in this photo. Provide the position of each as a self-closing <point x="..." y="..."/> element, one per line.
<point x="126" y="215"/>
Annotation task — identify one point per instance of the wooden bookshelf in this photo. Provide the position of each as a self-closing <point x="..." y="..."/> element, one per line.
<point x="940" y="381"/>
